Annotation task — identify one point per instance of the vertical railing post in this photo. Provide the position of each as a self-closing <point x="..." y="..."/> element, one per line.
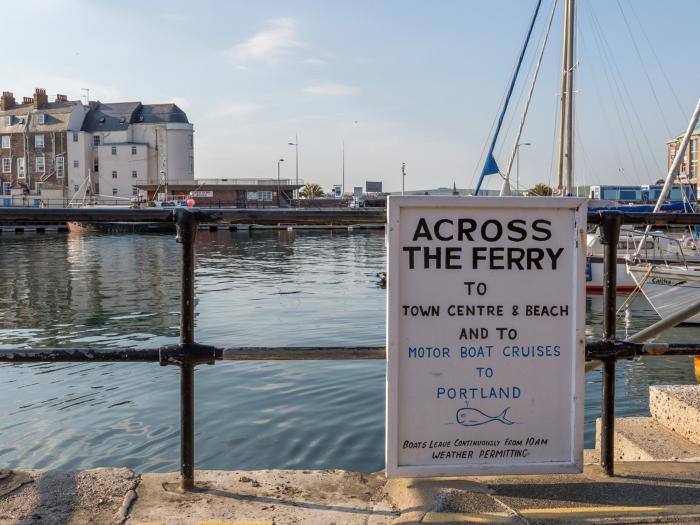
<point x="610" y="234"/>
<point x="186" y="223"/>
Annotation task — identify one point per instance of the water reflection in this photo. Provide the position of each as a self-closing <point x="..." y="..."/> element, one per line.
<point x="265" y="288"/>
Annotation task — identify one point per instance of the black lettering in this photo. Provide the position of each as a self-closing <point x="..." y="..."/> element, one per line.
<point x="411" y="251"/>
<point x="515" y="257"/>
<point x="547" y="234"/>
<point x="466" y="227"/>
<point x="476" y="257"/>
<point x="514" y="228"/>
<point x="422" y="230"/>
<point x="453" y="254"/>
<point x="437" y="257"/>
<point x="554" y="256"/>
<point x="534" y="256"/>
<point x="437" y="229"/>
<point x="485" y="227"/>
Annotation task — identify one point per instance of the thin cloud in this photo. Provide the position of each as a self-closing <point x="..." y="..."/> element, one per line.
<point x="314" y="61"/>
<point x="332" y="89"/>
<point x="235" y="110"/>
<point x="269" y="45"/>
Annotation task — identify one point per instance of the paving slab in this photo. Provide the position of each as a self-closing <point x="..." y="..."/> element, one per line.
<point x="677" y="407"/>
<point x="267" y="496"/>
<point x="639" y="493"/>
<point x="64" y="497"/>
<point x="645" y="439"/>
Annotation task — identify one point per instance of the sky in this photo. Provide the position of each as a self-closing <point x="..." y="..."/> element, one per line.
<point x="390" y="82"/>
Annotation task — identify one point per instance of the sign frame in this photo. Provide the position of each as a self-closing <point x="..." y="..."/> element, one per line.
<point x="573" y="464"/>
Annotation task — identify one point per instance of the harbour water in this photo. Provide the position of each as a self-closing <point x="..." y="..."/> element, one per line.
<point x="261" y="288"/>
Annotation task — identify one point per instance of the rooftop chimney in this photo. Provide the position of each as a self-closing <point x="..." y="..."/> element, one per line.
<point x="7" y="100"/>
<point x="27" y="100"/>
<point x="61" y="98"/>
<point x="40" y="98"/>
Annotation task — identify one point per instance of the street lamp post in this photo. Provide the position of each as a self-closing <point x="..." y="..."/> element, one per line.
<point x="278" y="182"/>
<point x="296" y="158"/>
<point x="517" y="163"/>
<point x="403" y="177"/>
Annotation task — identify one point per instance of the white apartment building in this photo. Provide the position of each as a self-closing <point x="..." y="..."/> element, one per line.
<point x="125" y="143"/>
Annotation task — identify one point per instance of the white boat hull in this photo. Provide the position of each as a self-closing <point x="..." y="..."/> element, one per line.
<point x="668" y="289"/>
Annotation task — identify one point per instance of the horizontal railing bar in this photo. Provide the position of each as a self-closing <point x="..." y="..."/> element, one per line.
<point x="302" y="353"/>
<point x="203" y="215"/>
<point x="24" y="355"/>
<point x="276" y="216"/>
<point x="594" y="350"/>
<point x="624" y="349"/>
<point x="652" y="219"/>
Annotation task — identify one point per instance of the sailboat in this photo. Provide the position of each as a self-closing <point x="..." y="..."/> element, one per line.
<point x="670" y="287"/>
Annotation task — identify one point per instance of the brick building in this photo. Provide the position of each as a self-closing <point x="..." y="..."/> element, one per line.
<point x="34" y="143"/>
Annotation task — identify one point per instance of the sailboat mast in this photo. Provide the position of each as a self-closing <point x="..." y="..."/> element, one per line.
<point x="563" y="104"/>
<point x="569" y="183"/>
<point x="565" y="164"/>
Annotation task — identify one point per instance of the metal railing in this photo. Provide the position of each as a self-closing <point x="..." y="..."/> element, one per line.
<point x="187" y="354"/>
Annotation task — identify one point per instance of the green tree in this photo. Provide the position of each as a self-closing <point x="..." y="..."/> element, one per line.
<point x="311" y="190"/>
<point x="541" y="190"/>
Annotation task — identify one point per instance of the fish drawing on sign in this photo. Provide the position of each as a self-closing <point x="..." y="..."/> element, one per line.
<point x="473" y="417"/>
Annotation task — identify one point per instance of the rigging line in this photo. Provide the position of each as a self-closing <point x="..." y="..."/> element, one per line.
<point x="490" y="164"/>
<point x="616" y="82"/>
<point x="658" y="61"/>
<point x="493" y="125"/>
<point x="613" y="94"/>
<point x="543" y="46"/>
<point x="619" y="75"/>
<point x="646" y="72"/>
<point x="544" y="33"/>
<point x="606" y="119"/>
<point x="555" y="143"/>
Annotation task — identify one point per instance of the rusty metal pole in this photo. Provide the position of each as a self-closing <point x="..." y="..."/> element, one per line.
<point x="610" y="229"/>
<point x="186" y="223"/>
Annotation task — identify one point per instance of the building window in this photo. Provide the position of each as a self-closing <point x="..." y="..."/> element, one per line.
<point x="41" y="119"/>
<point x="75" y="137"/>
<point x="20" y="169"/>
<point x="6" y="165"/>
<point x="191" y="159"/>
<point x="40" y="165"/>
<point x="75" y="188"/>
<point x="76" y="163"/>
<point x="96" y="165"/>
<point x="265" y="195"/>
<point x="8" y="121"/>
<point x="38" y="141"/>
<point x="135" y="191"/>
<point x="693" y="158"/>
<point x="114" y="192"/>
<point x="134" y="174"/>
<point x="97" y="188"/>
<point x="59" y="164"/>
<point x="114" y="150"/>
<point x="252" y="195"/>
<point x="5" y="142"/>
<point x="191" y="141"/>
<point x="114" y="174"/>
<point x="133" y="150"/>
<point x="96" y="140"/>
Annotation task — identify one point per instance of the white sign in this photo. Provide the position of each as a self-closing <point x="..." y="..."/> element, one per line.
<point x="485" y="335"/>
<point x="208" y="194"/>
